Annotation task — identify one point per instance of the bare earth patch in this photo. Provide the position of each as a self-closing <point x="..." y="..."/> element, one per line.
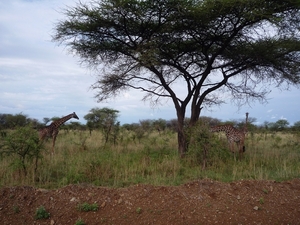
<point x="198" y="202"/>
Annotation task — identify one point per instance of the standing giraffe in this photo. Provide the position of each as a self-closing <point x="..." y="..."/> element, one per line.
<point x="53" y="129"/>
<point x="233" y="135"/>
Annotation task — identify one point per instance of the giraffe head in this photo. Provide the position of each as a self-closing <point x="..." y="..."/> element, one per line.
<point x="75" y="116"/>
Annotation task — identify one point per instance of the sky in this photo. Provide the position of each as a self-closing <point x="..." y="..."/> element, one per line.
<point x="40" y="79"/>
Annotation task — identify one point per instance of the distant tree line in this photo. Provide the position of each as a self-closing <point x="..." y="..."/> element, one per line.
<point x="10" y="121"/>
<point x="105" y="120"/>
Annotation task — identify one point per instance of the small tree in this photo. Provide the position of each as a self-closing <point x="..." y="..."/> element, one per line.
<point x="160" y="125"/>
<point x="146" y="125"/>
<point x="104" y="119"/>
<point x="16" y="120"/>
<point x="280" y="125"/>
<point x="296" y="126"/>
<point x="24" y="143"/>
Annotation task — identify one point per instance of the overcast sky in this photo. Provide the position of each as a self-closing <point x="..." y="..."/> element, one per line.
<point x="40" y="79"/>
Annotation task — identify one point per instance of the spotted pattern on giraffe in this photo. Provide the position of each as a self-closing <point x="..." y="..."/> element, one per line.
<point x="51" y="131"/>
<point x="233" y="135"/>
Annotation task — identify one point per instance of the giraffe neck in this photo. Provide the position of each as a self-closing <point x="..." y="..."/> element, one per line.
<point x="59" y="122"/>
<point x="246" y="123"/>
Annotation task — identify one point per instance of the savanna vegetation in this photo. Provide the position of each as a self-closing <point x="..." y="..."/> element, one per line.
<point x="211" y="48"/>
<point x="145" y="152"/>
<point x="215" y="50"/>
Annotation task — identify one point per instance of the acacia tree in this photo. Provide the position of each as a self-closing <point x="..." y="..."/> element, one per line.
<point x="296" y="126"/>
<point x="215" y="50"/>
<point x="281" y="124"/>
<point x="104" y="119"/>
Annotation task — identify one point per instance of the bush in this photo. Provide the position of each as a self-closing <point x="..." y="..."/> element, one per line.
<point x="41" y="213"/>
<point x="24" y="143"/>
<point x="206" y="148"/>
<point x="85" y="207"/>
<point x="79" y="222"/>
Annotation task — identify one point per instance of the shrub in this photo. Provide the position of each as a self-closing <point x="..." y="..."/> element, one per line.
<point x="41" y="213"/>
<point x="24" y="143"/>
<point x="79" y="222"/>
<point x="85" y="207"/>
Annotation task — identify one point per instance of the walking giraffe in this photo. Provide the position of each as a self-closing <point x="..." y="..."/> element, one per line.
<point x="53" y="129"/>
<point x="233" y="135"/>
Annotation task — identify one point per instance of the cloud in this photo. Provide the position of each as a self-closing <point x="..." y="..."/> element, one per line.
<point x="40" y="79"/>
<point x="283" y="118"/>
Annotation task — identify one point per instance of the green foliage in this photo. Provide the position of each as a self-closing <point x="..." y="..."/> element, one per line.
<point x="80" y="222"/>
<point x="296" y="126"/>
<point x="279" y="125"/>
<point x="261" y="201"/>
<point x="205" y="148"/>
<point x="41" y="213"/>
<point x="105" y="120"/>
<point x="86" y="207"/>
<point x="139" y="210"/>
<point x="9" y="121"/>
<point x="23" y="145"/>
<point x="16" y="209"/>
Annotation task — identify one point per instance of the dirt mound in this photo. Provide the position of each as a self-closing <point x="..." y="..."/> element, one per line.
<point x="198" y="202"/>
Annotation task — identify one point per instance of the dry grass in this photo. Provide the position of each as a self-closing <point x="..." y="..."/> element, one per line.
<point x="81" y="158"/>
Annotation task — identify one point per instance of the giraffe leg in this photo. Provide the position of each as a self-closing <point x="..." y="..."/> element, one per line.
<point x="54" y="135"/>
<point x="241" y="155"/>
<point x="231" y="146"/>
<point x="241" y="150"/>
<point x="53" y="142"/>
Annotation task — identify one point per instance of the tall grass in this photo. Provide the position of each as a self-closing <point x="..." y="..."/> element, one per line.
<point x="153" y="159"/>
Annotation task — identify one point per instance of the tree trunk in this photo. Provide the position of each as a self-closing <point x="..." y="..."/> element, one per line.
<point x="195" y="114"/>
<point x="181" y="136"/>
<point x="183" y="139"/>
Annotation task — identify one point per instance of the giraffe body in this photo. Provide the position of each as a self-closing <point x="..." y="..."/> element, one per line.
<point x="53" y="129"/>
<point x="233" y="135"/>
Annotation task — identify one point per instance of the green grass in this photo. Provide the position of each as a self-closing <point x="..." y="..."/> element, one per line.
<point x="80" y="158"/>
<point x="79" y="222"/>
<point x="86" y="207"/>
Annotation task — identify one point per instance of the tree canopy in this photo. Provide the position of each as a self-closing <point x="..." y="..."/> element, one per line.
<point x="198" y="53"/>
<point x="104" y="119"/>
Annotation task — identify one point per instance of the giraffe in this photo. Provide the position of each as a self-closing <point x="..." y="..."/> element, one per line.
<point x="233" y="135"/>
<point x="53" y="129"/>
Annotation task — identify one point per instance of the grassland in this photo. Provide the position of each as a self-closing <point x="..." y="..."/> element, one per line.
<point x="83" y="158"/>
